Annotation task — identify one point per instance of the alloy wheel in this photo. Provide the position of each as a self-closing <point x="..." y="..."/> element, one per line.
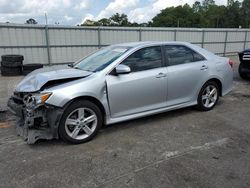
<point x="81" y="123"/>
<point x="209" y="96"/>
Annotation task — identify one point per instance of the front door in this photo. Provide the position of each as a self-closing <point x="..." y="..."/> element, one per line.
<point x="143" y="89"/>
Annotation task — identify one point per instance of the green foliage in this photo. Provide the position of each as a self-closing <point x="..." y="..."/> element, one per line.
<point x="115" y="20"/>
<point x="31" y="21"/>
<point x="202" y="14"/>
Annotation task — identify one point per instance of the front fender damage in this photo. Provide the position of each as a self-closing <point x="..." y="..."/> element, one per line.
<point x="35" y="122"/>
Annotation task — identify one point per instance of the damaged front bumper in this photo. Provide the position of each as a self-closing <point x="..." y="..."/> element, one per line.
<point x="35" y="122"/>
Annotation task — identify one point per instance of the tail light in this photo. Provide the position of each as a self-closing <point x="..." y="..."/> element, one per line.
<point x="230" y="62"/>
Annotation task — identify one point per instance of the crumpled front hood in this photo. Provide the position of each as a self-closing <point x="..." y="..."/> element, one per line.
<point x="38" y="78"/>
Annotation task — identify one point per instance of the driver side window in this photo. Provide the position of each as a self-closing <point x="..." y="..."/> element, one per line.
<point x="144" y="59"/>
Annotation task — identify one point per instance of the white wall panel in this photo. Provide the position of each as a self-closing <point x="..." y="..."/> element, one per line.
<point x="157" y="35"/>
<point x="236" y="36"/>
<point x="248" y="36"/>
<point x="215" y="48"/>
<point x="234" y="47"/>
<point x="118" y="36"/>
<point x="31" y="55"/>
<point x="64" y="40"/>
<point x="248" y="45"/>
<point x="21" y="37"/>
<point x="214" y="36"/>
<point x="189" y="36"/>
<point x="70" y="54"/>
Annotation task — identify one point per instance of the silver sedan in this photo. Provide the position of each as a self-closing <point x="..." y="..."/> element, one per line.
<point x="118" y="83"/>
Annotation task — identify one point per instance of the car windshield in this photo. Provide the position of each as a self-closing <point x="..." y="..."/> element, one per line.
<point x="100" y="59"/>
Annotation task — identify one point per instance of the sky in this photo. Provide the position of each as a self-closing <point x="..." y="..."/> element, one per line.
<point x="73" y="12"/>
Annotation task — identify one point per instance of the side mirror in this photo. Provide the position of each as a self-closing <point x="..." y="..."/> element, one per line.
<point x="122" y="69"/>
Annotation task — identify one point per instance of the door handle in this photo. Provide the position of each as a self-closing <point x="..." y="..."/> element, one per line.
<point x="204" y="67"/>
<point x="161" y="75"/>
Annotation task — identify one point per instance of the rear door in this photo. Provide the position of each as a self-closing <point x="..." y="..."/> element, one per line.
<point x="186" y="71"/>
<point x="145" y="88"/>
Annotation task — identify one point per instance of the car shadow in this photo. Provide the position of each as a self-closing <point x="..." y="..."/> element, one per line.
<point x="149" y="119"/>
<point x="108" y="129"/>
<point x="129" y="124"/>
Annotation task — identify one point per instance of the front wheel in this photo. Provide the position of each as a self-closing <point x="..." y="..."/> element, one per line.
<point x="80" y="122"/>
<point x="208" y="96"/>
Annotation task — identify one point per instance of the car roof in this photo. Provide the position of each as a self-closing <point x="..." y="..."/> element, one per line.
<point x="145" y="43"/>
<point x="197" y="48"/>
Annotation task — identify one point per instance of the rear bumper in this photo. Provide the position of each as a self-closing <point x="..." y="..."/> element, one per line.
<point x="41" y="123"/>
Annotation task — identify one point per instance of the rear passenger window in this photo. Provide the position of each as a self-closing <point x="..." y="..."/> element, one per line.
<point x="181" y="54"/>
<point x="144" y="59"/>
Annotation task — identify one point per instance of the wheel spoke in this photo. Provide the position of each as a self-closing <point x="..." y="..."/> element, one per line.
<point x="87" y="130"/>
<point x="212" y="99"/>
<point x="81" y="113"/>
<point x="90" y="119"/>
<point x="71" y="121"/>
<point x="207" y="102"/>
<point x="204" y="97"/>
<point x="213" y="91"/>
<point x="75" y="132"/>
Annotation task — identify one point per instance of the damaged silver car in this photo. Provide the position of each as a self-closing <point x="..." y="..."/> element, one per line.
<point x="117" y="83"/>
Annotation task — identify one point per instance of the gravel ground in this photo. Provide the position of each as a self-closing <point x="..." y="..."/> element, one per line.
<point x="182" y="148"/>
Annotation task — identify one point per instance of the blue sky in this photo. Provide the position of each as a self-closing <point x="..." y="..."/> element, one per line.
<point x="72" y="12"/>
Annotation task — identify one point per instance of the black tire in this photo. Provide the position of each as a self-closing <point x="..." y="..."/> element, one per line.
<point x="11" y="64"/>
<point x="13" y="71"/>
<point x="242" y="75"/>
<point x="26" y="72"/>
<point x="28" y="68"/>
<point x="12" y="58"/>
<point x="200" y="106"/>
<point x="71" y="108"/>
<point x="32" y="67"/>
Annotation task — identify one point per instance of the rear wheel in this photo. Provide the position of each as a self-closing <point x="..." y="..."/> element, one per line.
<point x="80" y="122"/>
<point x="208" y="96"/>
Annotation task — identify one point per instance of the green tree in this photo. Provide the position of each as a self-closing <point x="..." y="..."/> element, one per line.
<point x="31" y="21"/>
<point x="233" y="11"/>
<point x="207" y="3"/>
<point x="197" y="6"/>
<point x="201" y="14"/>
<point x="246" y="12"/>
<point x="104" y="22"/>
<point x="119" y="20"/>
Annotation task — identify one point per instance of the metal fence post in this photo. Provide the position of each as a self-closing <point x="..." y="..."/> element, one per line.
<point x="225" y="44"/>
<point x="245" y="41"/>
<point x="99" y="37"/>
<point x="140" y="32"/>
<point x="48" y="44"/>
<point x="175" y="34"/>
<point x="203" y="38"/>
